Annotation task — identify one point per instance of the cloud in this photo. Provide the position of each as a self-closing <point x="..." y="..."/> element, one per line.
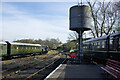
<point x="18" y="24"/>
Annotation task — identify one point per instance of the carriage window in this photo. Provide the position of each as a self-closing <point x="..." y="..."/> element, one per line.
<point x="86" y="47"/>
<point x="93" y="45"/>
<point x="1" y="47"/>
<point x="111" y="41"/>
<point x="119" y="42"/>
<point x="98" y="44"/>
<point x="17" y="48"/>
<point x="103" y="44"/>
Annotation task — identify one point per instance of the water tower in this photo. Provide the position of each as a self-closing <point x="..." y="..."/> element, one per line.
<point x="80" y="21"/>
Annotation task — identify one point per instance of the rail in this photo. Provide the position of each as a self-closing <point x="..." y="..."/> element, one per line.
<point x="23" y="68"/>
<point x="29" y="77"/>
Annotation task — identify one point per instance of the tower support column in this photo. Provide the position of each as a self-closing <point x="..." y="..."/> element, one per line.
<point x="80" y="55"/>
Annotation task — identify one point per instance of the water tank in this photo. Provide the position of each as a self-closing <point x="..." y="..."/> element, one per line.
<point x="80" y="18"/>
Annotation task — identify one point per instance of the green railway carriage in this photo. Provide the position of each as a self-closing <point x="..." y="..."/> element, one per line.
<point x="3" y="48"/>
<point x="22" y="48"/>
<point x="9" y="49"/>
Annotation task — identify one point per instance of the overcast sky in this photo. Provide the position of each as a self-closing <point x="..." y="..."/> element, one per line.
<point x="35" y="20"/>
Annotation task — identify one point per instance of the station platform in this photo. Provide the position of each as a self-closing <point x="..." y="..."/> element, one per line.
<point x="77" y="71"/>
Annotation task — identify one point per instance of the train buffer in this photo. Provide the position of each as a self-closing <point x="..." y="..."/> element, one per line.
<point x="77" y="71"/>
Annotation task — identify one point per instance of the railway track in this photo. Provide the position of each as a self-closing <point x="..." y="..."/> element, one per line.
<point x="18" y="68"/>
<point x="48" y="68"/>
<point x="22" y="62"/>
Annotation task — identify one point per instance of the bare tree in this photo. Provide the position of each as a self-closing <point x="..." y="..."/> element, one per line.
<point x="70" y="45"/>
<point x="117" y="7"/>
<point x="52" y="43"/>
<point x="73" y="36"/>
<point x="103" y="16"/>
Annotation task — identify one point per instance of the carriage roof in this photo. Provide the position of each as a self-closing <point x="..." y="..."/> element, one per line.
<point x="3" y="43"/>
<point x="115" y="34"/>
<point x="97" y="39"/>
<point x="26" y="44"/>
